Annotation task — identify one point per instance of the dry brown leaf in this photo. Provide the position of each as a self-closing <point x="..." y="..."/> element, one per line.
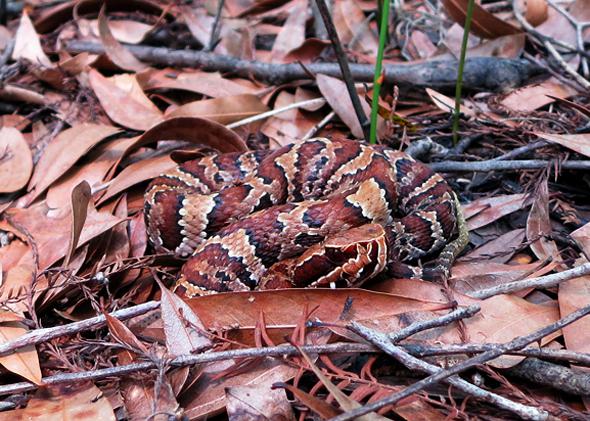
<point x="292" y="35"/>
<point x="317" y="405"/>
<point x="532" y="97"/>
<point x="16" y="93"/>
<point x="16" y="161"/>
<point x="499" y="250"/>
<point x="257" y="403"/>
<point x="124" y="30"/>
<point x="27" y="45"/>
<point x="508" y="46"/>
<point x="582" y="236"/>
<point x="206" y="397"/>
<point x="334" y="91"/>
<point x="121" y="333"/>
<point x="185" y="333"/>
<point x="23" y="362"/>
<point x="211" y="84"/>
<point x="123" y="100"/>
<point x="473" y="276"/>
<point x="223" y="110"/>
<point x="61" y="154"/>
<point x="118" y="54"/>
<point x="576" y="142"/>
<point x="283" y="307"/>
<point x="136" y="173"/>
<point x="538" y="226"/>
<point x="446" y="103"/>
<point x="574" y="295"/>
<point x="483" y="23"/>
<point x="350" y="23"/>
<point x="482" y="212"/>
<point x="65" y="402"/>
<point x="80" y="200"/>
<point x="50" y="228"/>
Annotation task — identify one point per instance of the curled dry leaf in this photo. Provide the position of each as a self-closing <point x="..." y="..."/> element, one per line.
<point x="127" y="31"/>
<point x="61" y="154"/>
<point x="257" y="403"/>
<point x="27" y="45"/>
<point x="66" y="402"/>
<point x="123" y="100"/>
<point x="113" y="49"/>
<point x="16" y="161"/>
<point x="483" y="23"/>
<point x="185" y="333"/>
<point x="25" y="361"/>
<point x="351" y="24"/>
<point x="122" y="334"/>
<point x="80" y="199"/>
<point x="224" y="110"/>
<point x="292" y="34"/>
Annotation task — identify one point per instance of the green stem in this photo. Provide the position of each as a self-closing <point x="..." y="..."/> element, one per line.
<point x="457" y="111"/>
<point x="383" y="27"/>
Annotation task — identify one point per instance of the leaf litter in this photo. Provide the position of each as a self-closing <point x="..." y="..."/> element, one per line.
<point x="84" y="130"/>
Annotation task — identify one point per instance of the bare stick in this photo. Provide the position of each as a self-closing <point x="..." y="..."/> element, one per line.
<point x="565" y="66"/>
<point x="343" y="62"/>
<point x="494" y="165"/>
<point x="515" y="344"/>
<point x="216" y="29"/>
<point x="382" y="341"/>
<point x="43" y="335"/>
<point x="262" y="116"/>
<point x="312" y="132"/>
<point x="540" y="282"/>
<point x="448" y="318"/>
<point x="482" y="73"/>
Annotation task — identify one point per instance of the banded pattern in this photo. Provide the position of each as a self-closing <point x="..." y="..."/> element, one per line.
<point x="315" y="213"/>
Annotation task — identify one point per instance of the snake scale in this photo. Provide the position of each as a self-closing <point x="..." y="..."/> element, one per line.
<point x="317" y="213"/>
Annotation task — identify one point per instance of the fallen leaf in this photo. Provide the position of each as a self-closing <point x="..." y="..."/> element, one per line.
<point x="16" y="161"/>
<point x="80" y="200"/>
<point x="27" y="45"/>
<point x="532" y="97"/>
<point x="579" y="143"/>
<point x="446" y="103"/>
<point x="124" y="30"/>
<point x="292" y="35"/>
<point x="574" y="294"/>
<point x="23" y="362"/>
<point x="582" y="236"/>
<point x="484" y="211"/>
<point x="317" y="405"/>
<point x="113" y="49"/>
<point x="334" y="91"/>
<point x="499" y="250"/>
<point x="483" y="23"/>
<point x="61" y="154"/>
<point x="257" y="402"/>
<point x="185" y="333"/>
<point x="211" y="84"/>
<point x="473" y="276"/>
<point x="136" y="173"/>
<point x="65" y="402"/>
<point x="123" y="100"/>
<point x="224" y="110"/>
<point x="350" y="22"/>
<point x="123" y="334"/>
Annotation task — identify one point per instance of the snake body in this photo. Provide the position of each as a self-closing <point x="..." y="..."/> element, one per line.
<point x="315" y="213"/>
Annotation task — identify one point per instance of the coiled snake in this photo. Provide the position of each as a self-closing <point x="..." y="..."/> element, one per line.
<point x="316" y="213"/>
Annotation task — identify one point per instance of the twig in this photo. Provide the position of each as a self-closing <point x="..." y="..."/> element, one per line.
<point x="540" y="282"/>
<point x="262" y="116"/>
<point x="43" y="335"/>
<point x="516" y="165"/>
<point x="481" y="73"/>
<point x="312" y="132"/>
<point x="382" y="341"/>
<point x="565" y="66"/>
<point x="515" y="344"/>
<point x="529" y="147"/>
<point x="343" y="63"/>
<point x="216" y="29"/>
<point x="460" y="313"/>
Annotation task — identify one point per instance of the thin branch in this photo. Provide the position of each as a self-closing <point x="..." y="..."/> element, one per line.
<point x="540" y="282"/>
<point x="453" y="316"/>
<point x="565" y="66"/>
<point x="515" y="344"/>
<point x="516" y="165"/>
<point x="312" y="132"/>
<point x="382" y="341"/>
<point x="262" y="116"/>
<point x="343" y="63"/>
<point x="43" y="335"/>
<point x="216" y="29"/>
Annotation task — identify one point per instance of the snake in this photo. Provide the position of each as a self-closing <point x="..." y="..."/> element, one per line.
<point x="315" y="213"/>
